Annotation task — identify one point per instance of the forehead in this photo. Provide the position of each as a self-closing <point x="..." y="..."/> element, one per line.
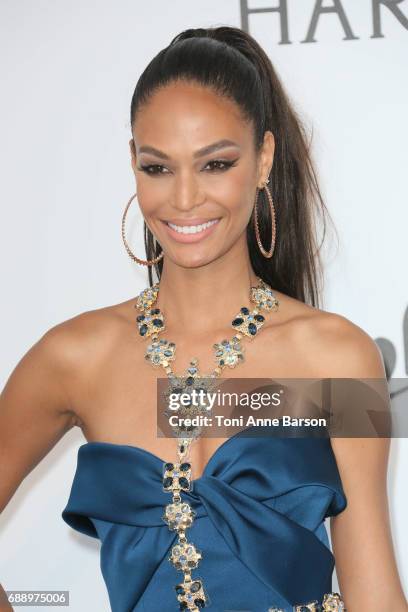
<point x="187" y="113"/>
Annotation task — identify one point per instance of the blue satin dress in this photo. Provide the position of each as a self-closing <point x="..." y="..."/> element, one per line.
<point x="260" y="507"/>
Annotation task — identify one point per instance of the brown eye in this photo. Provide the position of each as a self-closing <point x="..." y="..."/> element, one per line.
<point x="221" y="165"/>
<point x="152" y="169"/>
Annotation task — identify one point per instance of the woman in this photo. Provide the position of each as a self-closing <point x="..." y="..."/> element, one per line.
<point x="211" y="128"/>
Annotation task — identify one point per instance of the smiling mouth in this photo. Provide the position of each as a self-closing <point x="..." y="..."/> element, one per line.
<point x="191" y="229"/>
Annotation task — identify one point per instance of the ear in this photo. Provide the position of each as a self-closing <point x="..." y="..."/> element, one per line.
<point x="133" y="154"/>
<point x="266" y="158"/>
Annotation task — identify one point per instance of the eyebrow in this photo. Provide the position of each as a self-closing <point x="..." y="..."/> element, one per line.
<point x="215" y="146"/>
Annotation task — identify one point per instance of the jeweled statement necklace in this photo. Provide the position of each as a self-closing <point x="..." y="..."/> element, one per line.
<point x="178" y="514"/>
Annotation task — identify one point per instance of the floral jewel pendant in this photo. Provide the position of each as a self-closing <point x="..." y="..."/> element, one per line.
<point x="178" y="515"/>
<point x="185" y="556"/>
<point x="229" y="352"/>
<point x="332" y="602"/>
<point x="263" y="296"/>
<point x="248" y="322"/>
<point x="195" y="387"/>
<point x="177" y="476"/>
<point x="160" y="352"/>
<point x="150" y="323"/>
<point x="191" y="594"/>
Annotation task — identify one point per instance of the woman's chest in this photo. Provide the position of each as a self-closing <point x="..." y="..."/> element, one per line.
<point x="119" y="398"/>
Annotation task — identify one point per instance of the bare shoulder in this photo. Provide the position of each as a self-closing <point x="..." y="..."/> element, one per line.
<point x="86" y="333"/>
<point x="333" y="345"/>
<point x="90" y="326"/>
<point x="78" y="345"/>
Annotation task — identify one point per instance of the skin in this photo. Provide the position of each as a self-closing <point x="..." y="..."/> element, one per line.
<point x="84" y="371"/>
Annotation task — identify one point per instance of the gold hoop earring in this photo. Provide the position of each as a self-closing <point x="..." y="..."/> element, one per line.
<point x="143" y="262"/>
<point x="267" y="254"/>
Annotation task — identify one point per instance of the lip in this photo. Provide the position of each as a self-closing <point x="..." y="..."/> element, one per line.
<point x="188" y="238"/>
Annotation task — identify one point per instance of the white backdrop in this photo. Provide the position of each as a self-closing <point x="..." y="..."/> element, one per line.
<point x="68" y="73"/>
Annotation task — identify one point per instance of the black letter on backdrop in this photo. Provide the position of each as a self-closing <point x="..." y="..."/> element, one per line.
<point x="282" y="9"/>
<point x="337" y="8"/>
<point x="391" y="5"/>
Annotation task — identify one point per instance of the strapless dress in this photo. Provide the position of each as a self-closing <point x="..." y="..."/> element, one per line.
<point x="260" y="507"/>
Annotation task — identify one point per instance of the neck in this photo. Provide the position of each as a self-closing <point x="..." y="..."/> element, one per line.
<point x="204" y="299"/>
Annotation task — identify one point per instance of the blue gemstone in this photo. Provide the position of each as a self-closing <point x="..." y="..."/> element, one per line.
<point x="167" y="482"/>
<point x="140" y="318"/>
<point x="157" y="323"/>
<point x="252" y="329"/>
<point x="143" y="329"/>
<point x="169" y="466"/>
<point x="183" y="482"/>
<point x="185" y="466"/>
<point x="237" y="321"/>
<point x="259" y="317"/>
<point x="244" y="310"/>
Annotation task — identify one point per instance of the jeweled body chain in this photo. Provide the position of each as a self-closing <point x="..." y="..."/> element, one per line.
<point x="178" y="515"/>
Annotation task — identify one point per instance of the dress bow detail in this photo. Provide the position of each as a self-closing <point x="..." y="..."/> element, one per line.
<point x="260" y="503"/>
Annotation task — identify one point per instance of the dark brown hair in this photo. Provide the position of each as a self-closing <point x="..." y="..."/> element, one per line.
<point x="233" y="64"/>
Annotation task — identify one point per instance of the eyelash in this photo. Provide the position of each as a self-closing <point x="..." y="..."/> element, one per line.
<point x="227" y="165"/>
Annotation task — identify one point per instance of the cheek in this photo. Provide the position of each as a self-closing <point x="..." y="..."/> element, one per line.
<point x="150" y="196"/>
<point x="238" y="195"/>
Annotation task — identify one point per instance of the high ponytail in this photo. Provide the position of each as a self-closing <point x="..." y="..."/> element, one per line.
<point x="233" y="64"/>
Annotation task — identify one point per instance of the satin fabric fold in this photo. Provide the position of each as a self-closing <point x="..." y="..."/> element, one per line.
<point x="260" y="508"/>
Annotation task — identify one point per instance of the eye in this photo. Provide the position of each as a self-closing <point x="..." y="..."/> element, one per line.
<point x="217" y="165"/>
<point x="225" y="164"/>
<point x="151" y="169"/>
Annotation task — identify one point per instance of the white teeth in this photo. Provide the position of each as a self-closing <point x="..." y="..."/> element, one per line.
<point x="192" y="229"/>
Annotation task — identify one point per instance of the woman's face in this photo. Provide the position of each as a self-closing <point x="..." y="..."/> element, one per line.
<point x="195" y="164"/>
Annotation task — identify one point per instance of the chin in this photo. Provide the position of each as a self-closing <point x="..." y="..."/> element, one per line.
<point x="194" y="261"/>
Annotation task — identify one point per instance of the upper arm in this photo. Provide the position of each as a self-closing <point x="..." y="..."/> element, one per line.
<point x="361" y="533"/>
<point x="34" y="409"/>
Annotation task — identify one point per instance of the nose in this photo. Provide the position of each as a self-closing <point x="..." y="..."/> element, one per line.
<point x="187" y="193"/>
